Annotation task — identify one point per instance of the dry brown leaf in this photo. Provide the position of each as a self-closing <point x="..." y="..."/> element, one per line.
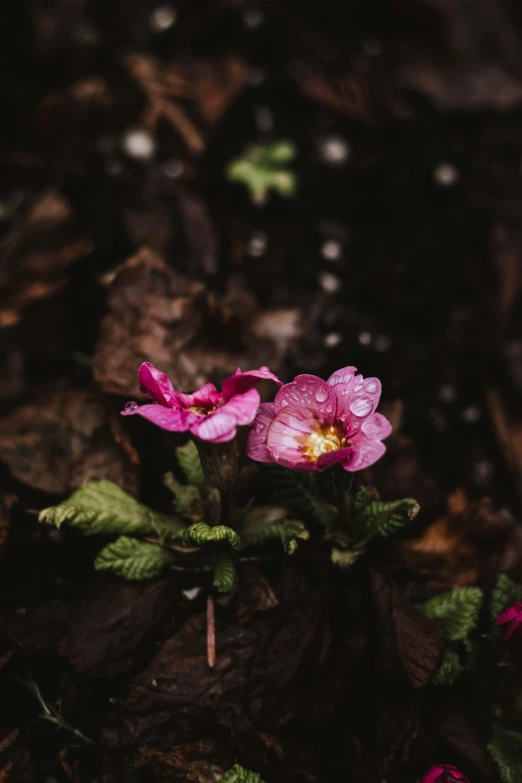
<point x="256" y="594"/>
<point x="506" y="248"/>
<point x="466" y="86"/>
<point x="63" y="440"/>
<point x="508" y="428"/>
<point x="470" y="542"/>
<point x="196" y="762"/>
<point x="347" y="93"/>
<point x="159" y="316"/>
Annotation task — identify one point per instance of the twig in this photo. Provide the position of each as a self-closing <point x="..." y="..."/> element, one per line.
<point x="211" y="632"/>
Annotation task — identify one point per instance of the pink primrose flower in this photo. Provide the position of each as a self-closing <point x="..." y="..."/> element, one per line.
<point x="207" y="413"/>
<point x="510" y="621"/>
<point x="313" y="424"/>
<point x="444" y="773"/>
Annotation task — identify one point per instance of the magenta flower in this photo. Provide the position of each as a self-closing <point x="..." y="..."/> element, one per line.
<point x="444" y="773"/>
<point x="208" y="414"/>
<point x="313" y="424"/>
<point x="510" y="621"/>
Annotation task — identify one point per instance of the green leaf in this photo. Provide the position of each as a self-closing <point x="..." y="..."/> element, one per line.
<point x="449" y="670"/>
<point x="505" y="748"/>
<point x="238" y="774"/>
<point x="190" y="463"/>
<point x="201" y="533"/>
<point x="378" y="518"/>
<point x="299" y="492"/>
<point x="261" y="168"/>
<point x="102" y="507"/>
<point x="258" y="531"/>
<point x="345" y="558"/>
<point x="459" y="609"/>
<point x="132" y="559"/>
<point x="187" y="498"/>
<point x="225" y="576"/>
<point x="505" y="593"/>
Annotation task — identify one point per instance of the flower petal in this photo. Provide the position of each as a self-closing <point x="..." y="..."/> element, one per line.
<point x="333" y="457"/>
<point x="256" y="447"/>
<point x="243" y="381"/>
<point x="311" y="393"/>
<point x="288" y="433"/>
<point x="166" y="418"/>
<point x="242" y="406"/>
<point x="356" y="400"/>
<point x="343" y="376"/>
<point x="512" y="612"/>
<point x="156" y="384"/>
<point x="217" y="427"/>
<point x="510" y="620"/>
<point x="364" y="453"/>
<point x="206" y="395"/>
<point x="376" y="427"/>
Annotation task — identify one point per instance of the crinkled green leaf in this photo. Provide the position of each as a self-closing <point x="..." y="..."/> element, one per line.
<point x="190" y="463"/>
<point x="505" y="593"/>
<point x="101" y="507"/>
<point x="505" y="748"/>
<point x="132" y="559"/>
<point x="187" y="498"/>
<point x="225" y="576"/>
<point x="200" y="533"/>
<point x="238" y="774"/>
<point x="379" y="518"/>
<point x="298" y="491"/>
<point x="458" y="608"/>
<point x="449" y="669"/>
<point x="258" y="531"/>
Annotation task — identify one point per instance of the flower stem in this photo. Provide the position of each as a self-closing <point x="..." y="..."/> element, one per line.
<point x="211" y="632"/>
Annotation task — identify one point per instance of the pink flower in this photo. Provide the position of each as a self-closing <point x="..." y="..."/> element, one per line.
<point x="313" y="424"/>
<point x="208" y="414"/>
<point x="444" y="773"/>
<point x="511" y="621"/>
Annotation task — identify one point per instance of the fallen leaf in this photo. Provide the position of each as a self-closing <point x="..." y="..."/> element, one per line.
<point x="159" y="316"/>
<point x="408" y="651"/>
<point x="347" y="93"/>
<point x="196" y="762"/>
<point x="468" y="86"/>
<point x="39" y="441"/>
<point x="506" y="249"/>
<point x="469" y="543"/>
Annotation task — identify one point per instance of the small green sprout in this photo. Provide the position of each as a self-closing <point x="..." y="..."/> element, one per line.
<point x="262" y="167"/>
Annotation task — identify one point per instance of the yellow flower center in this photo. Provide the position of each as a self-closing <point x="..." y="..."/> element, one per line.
<point x="200" y="410"/>
<point x="322" y="440"/>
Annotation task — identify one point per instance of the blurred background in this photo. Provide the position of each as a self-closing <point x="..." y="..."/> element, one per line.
<point x="211" y="183"/>
<point x="375" y="221"/>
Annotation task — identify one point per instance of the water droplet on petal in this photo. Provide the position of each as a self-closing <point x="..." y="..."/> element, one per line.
<point x="311" y="380"/>
<point x="329" y="408"/>
<point x="361" y="406"/>
<point x="357" y="383"/>
<point x="260" y="427"/>
<point x="131" y="406"/>
<point x="372" y="387"/>
<point x="284" y="403"/>
<point x="321" y="394"/>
